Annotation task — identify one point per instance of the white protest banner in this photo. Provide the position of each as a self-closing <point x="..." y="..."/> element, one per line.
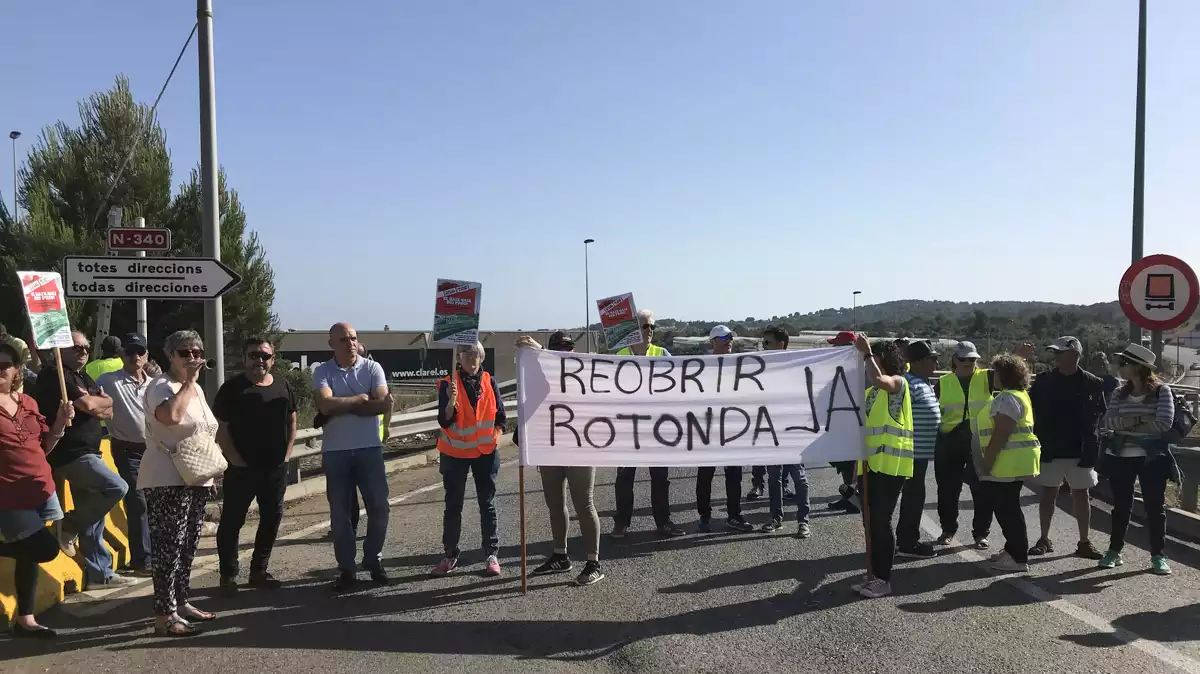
<point x="759" y="408"/>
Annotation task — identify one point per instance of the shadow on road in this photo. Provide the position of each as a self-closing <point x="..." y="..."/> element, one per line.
<point x="1174" y="625"/>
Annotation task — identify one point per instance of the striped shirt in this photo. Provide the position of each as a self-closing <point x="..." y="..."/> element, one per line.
<point x="1150" y="415"/>
<point x="927" y="416"/>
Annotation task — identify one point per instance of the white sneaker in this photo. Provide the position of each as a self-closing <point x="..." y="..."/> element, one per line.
<point x="857" y="587"/>
<point x="876" y="588"/>
<point x="65" y="543"/>
<point x="1004" y="562"/>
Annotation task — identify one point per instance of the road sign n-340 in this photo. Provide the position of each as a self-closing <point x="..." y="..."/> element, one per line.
<point x="164" y="278"/>
<point x="141" y="238"/>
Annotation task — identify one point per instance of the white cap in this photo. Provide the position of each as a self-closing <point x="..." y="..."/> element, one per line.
<point x="721" y="332"/>
<point x="965" y="350"/>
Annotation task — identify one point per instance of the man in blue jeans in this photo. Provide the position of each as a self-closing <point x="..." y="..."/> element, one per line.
<point x="76" y="459"/>
<point x="352" y="392"/>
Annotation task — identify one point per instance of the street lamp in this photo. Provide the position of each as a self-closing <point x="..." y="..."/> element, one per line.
<point x="14" y="135"/>
<point x="587" y="296"/>
<point x="854" y="311"/>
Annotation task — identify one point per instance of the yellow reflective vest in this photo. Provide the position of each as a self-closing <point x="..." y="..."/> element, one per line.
<point x="889" y="440"/>
<point x="1022" y="454"/>
<point x="651" y="350"/>
<point x="954" y="401"/>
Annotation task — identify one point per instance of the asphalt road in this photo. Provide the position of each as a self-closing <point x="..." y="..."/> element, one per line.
<point x="702" y="603"/>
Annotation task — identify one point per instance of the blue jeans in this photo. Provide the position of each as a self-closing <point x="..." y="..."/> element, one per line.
<point x="345" y="471"/>
<point x="95" y="490"/>
<point x="775" y="487"/>
<point x="128" y="457"/>
<point x="454" y="478"/>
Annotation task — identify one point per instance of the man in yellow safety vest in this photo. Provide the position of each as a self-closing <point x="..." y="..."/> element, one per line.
<point x="889" y="458"/>
<point x="962" y="395"/>
<point x="660" y="483"/>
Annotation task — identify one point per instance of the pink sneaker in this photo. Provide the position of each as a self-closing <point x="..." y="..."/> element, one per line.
<point x="492" y="568"/>
<point x="445" y="566"/>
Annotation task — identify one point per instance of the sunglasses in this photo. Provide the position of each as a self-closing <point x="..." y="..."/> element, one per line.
<point x="189" y="353"/>
<point x="726" y="338"/>
<point x="648" y="326"/>
<point x="5" y="364"/>
<point x="82" y="348"/>
<point x="260" y="355"/>
<point x="134" y="351"/>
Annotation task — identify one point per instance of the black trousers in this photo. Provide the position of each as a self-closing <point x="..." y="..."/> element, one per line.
<point x="733" y="491"/>
<point x="912" y="504"/>
<point x="242" y="486"/>
<point x="758" y="477"/>
<point x="952" y="467"/>
<point x="27" y="553"/>
<point x="1152" y="472"/>
<point x="883" y="492"/>
<point x="660" y="496"/>
<point x="1004" y="499"/>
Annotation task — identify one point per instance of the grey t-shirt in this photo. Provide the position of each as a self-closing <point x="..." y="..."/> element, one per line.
<point x="349" y="431"/>
<point x="128" y="422"/>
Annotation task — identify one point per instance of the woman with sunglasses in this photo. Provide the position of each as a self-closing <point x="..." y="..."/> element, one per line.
<point x="1139" y="415"/>
<point x="582" y="481"/>
<point x="176" y="411"/>
<point x="27" y="497"/>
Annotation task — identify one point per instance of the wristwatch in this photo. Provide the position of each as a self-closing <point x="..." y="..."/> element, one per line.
<point x="868" y="355"/>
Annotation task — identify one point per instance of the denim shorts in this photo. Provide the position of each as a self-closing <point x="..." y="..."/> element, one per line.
<point x="18" y="524"/>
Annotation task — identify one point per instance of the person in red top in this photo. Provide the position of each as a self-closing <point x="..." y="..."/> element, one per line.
<point x="27" y="498"/>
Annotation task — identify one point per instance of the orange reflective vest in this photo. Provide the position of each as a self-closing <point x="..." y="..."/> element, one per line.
<point x="473" y="432"/>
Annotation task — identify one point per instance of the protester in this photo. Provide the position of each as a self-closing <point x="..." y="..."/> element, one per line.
<point x="1101" y="368"/>
<point x="581" y="480"/>
<point x="1068" y="404"/>
<point x="24" y="355"/>
<point x="176" y="413"/>
<point x="721" y="339"/>
<point x="1007" y="453"/>
<point x="660" y="482"/>
<point x="1140" y="413"/>
<point x="257" y="428"/>
<point x="471" y="414"/>
<point x="962" y="394"/>
<point x="95" y="488"/>
<point x="927" y="419"/>
<point x="776" y="339"/>
<point x="127" y="439"/>
<point x="352" y="392"/>
<point x="846" y="469"/>
<point x="27" y="496"/>
<point x="110" y="358"/>
<point x="889" y="432"/>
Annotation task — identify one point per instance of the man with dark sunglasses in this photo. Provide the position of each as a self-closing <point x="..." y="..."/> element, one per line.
<point x="962" y="395"/>
<point x="257" y="417"/>
<point x="76" y="459"/>
<point x="127" y="437"/>
<point x="721" y="340"/>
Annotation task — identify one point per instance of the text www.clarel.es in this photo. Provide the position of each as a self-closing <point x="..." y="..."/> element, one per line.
<point x="408" y="374"/>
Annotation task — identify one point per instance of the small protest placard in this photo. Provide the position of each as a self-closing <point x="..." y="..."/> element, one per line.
<point x="47" y="307"/>
<point x="456" y="312"/>
<point x="618" y="318"/>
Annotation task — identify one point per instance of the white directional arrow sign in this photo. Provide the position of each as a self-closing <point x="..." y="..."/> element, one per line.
<point x="163" y="278"/>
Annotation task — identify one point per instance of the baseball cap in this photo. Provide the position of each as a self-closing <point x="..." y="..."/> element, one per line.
<point x="559" y="341"/>
<point x="1066" y="343"/>
<point x="721" y="332"/>
<point x="842" y="338"/>
<point x="965" y="350"/>
<point x="920" y="350"/>
<point x="134" y="339"/>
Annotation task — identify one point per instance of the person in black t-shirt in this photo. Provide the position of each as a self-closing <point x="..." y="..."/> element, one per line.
<point x="257" y="415"/>
<point x="76" y="459"/>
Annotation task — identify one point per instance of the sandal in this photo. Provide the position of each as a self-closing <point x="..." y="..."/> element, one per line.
<point x="194" y="615"/>
<point x="175" y="627"/>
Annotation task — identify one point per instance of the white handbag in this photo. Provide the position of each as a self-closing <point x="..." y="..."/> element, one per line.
<point x="198" y="458"/>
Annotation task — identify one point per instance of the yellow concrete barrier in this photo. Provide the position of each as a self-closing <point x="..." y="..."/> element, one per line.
<point x="64" y="572"/>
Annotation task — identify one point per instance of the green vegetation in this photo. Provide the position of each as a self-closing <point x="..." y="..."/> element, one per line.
<point x="62" y="188"/>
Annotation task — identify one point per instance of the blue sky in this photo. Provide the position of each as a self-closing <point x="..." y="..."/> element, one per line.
<point x="730" y="159"/>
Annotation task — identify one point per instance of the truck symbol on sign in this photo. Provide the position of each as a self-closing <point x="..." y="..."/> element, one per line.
<point x="1160" y="291"/>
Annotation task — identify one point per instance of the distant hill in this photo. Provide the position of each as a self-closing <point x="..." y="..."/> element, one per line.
<point x="905" y="310"/>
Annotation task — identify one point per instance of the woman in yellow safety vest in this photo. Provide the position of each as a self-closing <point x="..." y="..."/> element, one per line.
<point x="888" y="404"/>
<point x="1006" y="453"/>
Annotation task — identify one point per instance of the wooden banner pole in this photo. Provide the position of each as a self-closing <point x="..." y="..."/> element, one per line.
<point x="524" y="562"/>
<point x="62" y="382"/>
<point x="866" y="508"/>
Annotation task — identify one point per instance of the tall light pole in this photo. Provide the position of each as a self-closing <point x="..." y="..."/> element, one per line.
<point x="210" y="200"/>
<point x="587" y="295"/>
<point x="14" y="135"/>
<point x="1139" y="153"/>
<point x="854" y="311"/>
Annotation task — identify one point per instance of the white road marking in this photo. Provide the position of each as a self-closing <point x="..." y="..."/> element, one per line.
<point x="1152" y="648"/>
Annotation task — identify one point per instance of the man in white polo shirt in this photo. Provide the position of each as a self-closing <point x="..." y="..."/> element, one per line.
<point x="352" y="392"/>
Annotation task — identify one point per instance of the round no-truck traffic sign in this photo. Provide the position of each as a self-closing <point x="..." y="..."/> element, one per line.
<point x="1159" y="292"/>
